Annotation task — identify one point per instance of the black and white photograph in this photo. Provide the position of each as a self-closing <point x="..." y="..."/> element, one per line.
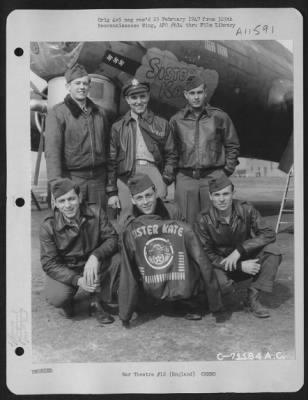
<point x="159" y="183"/>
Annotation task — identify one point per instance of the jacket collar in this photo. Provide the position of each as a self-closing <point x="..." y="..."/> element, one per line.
<point x="160" y="212"/>
<point x="237" y="211"/>
<point x="148" y="116"/>
<point x="188" y="110"/>
<point x="61" y="222"/>
<point x="75" y="108"/>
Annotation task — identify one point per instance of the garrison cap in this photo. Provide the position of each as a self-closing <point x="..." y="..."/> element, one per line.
<point x="193" y="81"/>
<point x="133" y="86"/>
<point x="62" y="186"/>
<point x="216" y="184"/>
<point x="74" y="72"/>
<point x="139" y="183"/>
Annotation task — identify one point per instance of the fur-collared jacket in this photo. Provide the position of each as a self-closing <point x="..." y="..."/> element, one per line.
<point x="76" y="141"/>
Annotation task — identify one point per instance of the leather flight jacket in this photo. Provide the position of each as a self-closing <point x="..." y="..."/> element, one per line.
<point x="163" y="258"/>
<point x="122" y="152"/>
<point x="76" y="142"/>
<point x="65" y="248"/>
<point x="247" y="232"/>
<point x="205" y="143"/>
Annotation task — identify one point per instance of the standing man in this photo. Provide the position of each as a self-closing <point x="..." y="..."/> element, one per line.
<point x="207" y="144"/>
<point x="140" y="142"/>
<point x="77" y="139"/>
<point x="77" y="242"/>
<point x="238" y="241"/>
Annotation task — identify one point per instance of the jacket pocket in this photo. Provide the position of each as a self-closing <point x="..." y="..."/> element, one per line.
<point x="121" y="161"/>
<point x="72" y="156"/>
<point x="72" y="141"/>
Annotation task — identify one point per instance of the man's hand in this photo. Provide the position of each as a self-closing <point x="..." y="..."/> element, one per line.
<point x="91" y="271"/>
<point x="164" y="191"/>
<point x="251" y="267"/>
<point x="114" y="202"/>
<point x="83" y="284"/>
<point x="231" y="261"/>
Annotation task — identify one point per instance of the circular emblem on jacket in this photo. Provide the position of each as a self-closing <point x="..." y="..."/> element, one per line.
<point x="158" y="253"/>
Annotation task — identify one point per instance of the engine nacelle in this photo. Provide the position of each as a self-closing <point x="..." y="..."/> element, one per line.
<point x="102" y="91"/>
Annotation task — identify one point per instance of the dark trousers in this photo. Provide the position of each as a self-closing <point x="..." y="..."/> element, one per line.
<point x="93" y="188"/>
<point x="61" y="295"/>
<point x="262" y="281"/>
<point x="192" y="195"/>
<point x="211" y="287"/>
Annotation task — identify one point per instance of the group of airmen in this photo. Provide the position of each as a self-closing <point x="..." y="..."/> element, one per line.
<point x="153" y="250"/>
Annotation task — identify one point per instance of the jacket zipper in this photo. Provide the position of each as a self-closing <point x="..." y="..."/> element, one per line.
<point x="91" y="142"/>
<point x="197" y="142"/>
<point x="134" y="149"/>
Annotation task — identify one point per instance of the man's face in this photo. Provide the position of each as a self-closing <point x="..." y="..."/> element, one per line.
<point x="79" y="88"/>
<point x="196" y="97"/>
<point x="68" y="204"/>
<point x="222" y="199"/>
<point x="138" y="102"/>
<point x="145" y="201"/>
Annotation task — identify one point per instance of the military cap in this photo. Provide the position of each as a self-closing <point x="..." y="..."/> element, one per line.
<point x="133" y="86"/>
<point x="74" y="72"/>
<point x="216" y="184"/>
<point x="193" y="81"/>
<point x="62" y="186"/>
<point x="139" y="183"/>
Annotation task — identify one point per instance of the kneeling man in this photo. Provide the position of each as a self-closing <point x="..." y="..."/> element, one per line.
<point x="77" y="242"/>
<point x="162" y="258"/>
<point x="239" y="244"/>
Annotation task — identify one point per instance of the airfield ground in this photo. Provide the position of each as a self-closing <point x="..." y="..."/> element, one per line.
<point x="159" y="337"/>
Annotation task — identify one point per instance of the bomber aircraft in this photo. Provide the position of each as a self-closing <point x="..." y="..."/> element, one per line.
<point x="251" y="80"/>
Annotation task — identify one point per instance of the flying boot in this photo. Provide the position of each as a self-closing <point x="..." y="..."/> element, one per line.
<point x="253" y="304"/>
<point x="96" y="307"/>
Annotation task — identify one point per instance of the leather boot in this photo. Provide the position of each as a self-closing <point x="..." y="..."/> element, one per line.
<point x="67" y="311"/>
<point x="193" y="316"/>
<point x="102" y="316"/>
<point x="222" y="315"/>
<point x="254" y="305"/>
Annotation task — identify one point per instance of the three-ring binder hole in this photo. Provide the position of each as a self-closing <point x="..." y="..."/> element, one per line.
<point x="20" y="202"/>
<point x="19" y="351"/>
<point x="18" y="51"/>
